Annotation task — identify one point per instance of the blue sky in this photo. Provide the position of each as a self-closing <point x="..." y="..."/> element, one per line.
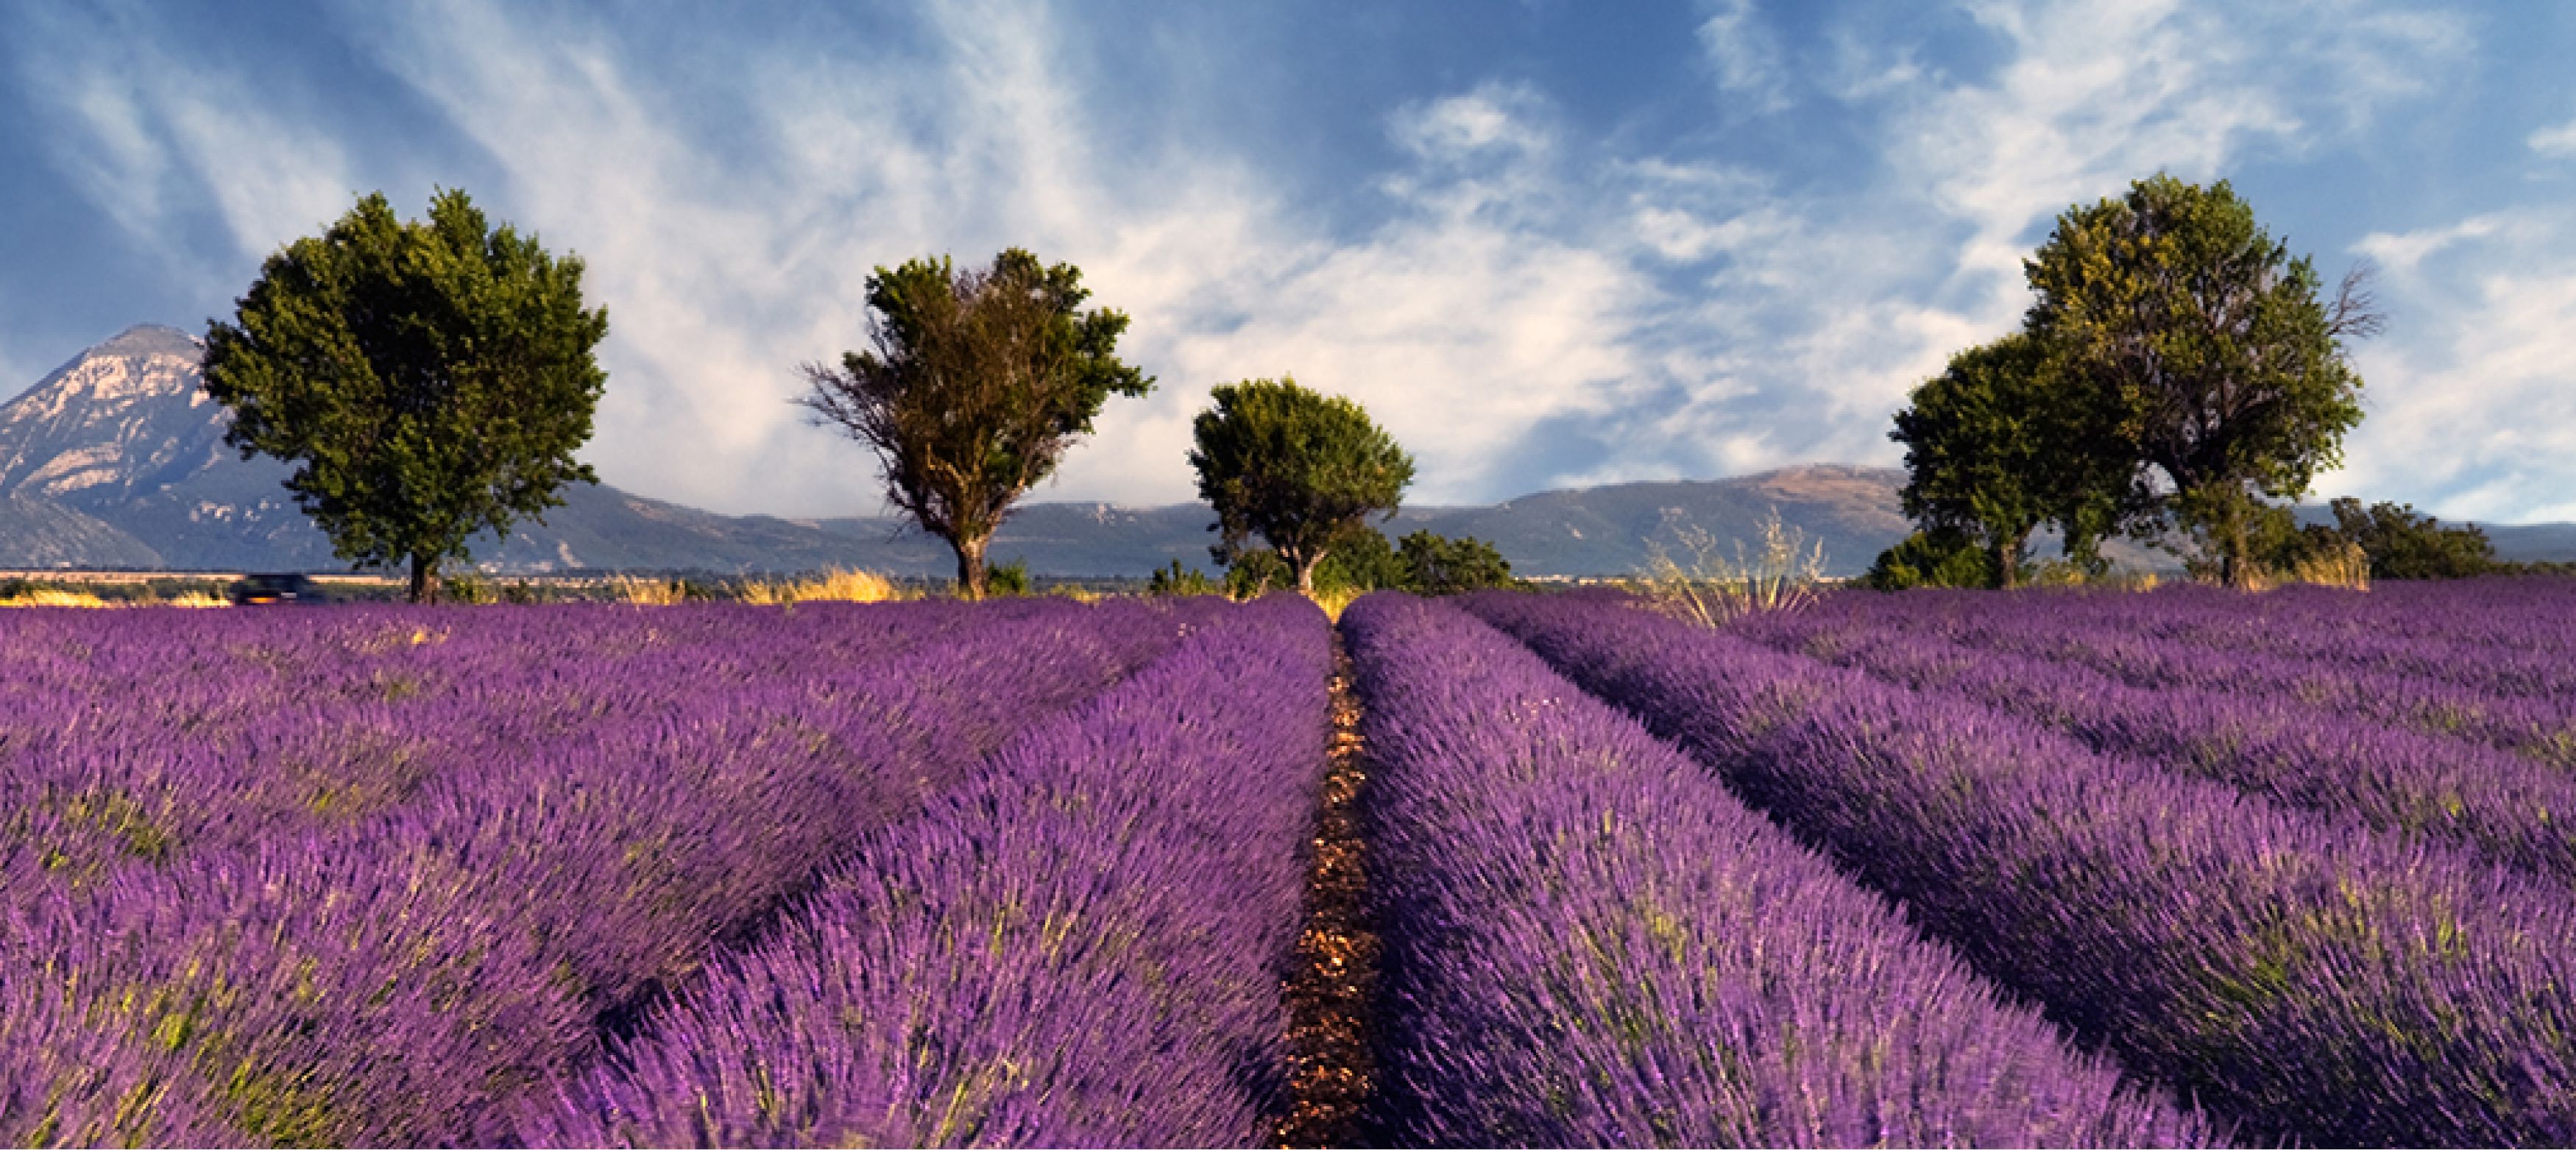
<point x="1547" y="244"/>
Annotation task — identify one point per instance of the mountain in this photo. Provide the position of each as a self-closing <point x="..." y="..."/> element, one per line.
<point x="117" y="459"/>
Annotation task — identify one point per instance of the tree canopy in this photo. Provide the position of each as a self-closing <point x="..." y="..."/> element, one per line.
<point x="1297" y="468"/>
<point x="1363" y="559"/>
<point x="1998" y="445"/>
<point x="975" y="384"/>
<point x="429" y="380"/>
<point x="2403" y="543"/>
<point x="2225" y="369"/>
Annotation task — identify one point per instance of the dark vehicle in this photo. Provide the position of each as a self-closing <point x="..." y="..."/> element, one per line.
<point x="254" y="590"/>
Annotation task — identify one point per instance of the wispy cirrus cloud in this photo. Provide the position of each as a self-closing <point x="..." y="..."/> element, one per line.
<point x="154" y="136"/>
<point x="2472" y="411"/>
<point x="1752" y="72"/>
<point x="2556" y="140"/>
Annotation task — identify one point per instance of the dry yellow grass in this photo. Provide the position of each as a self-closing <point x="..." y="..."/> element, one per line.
<point x="49" y="597"/>
<point x="55" y="597"/>
<point x="1704" y="587"/>
<point x="834" y="585"/>
<point x="1334" y="601"/>
<point x="2348" y="567"/>
<point x="649" y="592"/>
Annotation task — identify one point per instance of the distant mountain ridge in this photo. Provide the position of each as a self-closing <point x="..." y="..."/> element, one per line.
<point x="117" y="459"/>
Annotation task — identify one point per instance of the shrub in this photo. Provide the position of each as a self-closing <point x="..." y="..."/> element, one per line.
<point x="1178" y="580"/>
<point x="1941" y="557"/>
<point x="1704" y="587"/>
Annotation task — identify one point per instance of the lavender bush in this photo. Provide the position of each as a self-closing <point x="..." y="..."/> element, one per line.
<point x="2510" y="809"/>
<point x="397" y="975"/>
<point x="1591" y="943"/>
<point x="1082" y="946"/>
<point x="2166" y="641"/>
<point x="2309" y="978"/>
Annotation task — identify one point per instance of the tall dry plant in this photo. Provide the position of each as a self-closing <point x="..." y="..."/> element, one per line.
<point x="1704" y="586"/>
<point x="648" y="592"/>
<point x="2346" y="566"/>
<point x="835" y="584"/>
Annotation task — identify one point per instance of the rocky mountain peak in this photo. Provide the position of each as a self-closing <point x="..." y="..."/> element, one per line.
<point x="148" y="339"/>
<point x="127" y="417"/>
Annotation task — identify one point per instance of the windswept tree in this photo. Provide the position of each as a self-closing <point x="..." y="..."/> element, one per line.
<point x="2224" y="366"/>
<point x="975" y="385"/>
<point x="1998" y="445"/>
<point x="1295" y="467"/>
<point x="429" y="380"/>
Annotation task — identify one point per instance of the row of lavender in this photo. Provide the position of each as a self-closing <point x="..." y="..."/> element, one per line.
<point x="2302" y="974"/>
<point x="563" y="811"/>
<point x="2512" y="809"/>
<point x="1081" y="946"/>
<point x="2436" y="656"/>
<point x="1590" y="942"/>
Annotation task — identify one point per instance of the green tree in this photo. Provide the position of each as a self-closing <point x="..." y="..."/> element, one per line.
<point x="2225" y="368"/>
<point x="1997" y="445"/>
<point x="428" y="380"/>
<point x="2405" y="544"/>
<point x="976" y="384"/>
<point x="1437" y="565"/>
<point x="1298" y="468"/>
<point x="1360" y="559"/>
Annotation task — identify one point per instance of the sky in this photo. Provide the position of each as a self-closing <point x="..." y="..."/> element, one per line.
<point x="1546" y="244"/>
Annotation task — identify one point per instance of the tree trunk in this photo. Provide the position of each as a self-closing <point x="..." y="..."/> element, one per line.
<point x="2234" y="568"/>
<point x="2008" y="560"/>
<point x="1306" y="572"/>
<point x="424" y="578"/>
<point x="971" y="576"/>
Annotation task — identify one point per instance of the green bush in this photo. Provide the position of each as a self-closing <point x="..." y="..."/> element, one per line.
<point x="1942" y="557"/>
<point x="1010" y="578"/>
<point x="1178" y="580"/>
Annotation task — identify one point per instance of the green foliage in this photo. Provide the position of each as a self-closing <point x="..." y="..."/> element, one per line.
<point x="1362" y="560"/>
<point x="1939" y="557"/>
<point x="2278" y="549"/>
<point x="1434" y="565"/>
<point x="976" y="384"/>
<point x="1010" y="578"/>
<point x="428" y="380"/>
<point x="1295" y="467"/>
<point x="1255" y="571"/>
<point x="1179" y="580"/>
<point x="2174" y="310"/>
<point x="2403" y="544"/>
<point x="2000" y="444"/>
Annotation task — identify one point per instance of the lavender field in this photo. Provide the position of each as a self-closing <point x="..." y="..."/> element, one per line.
<point x="2180" y="868"/>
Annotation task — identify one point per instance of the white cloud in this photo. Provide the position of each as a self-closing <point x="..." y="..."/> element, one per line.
<point x="1820" y="309"/>
<point x="2400" y="253"/>
<point x="2557" y="141"/>
<point x="1495" y="118"/>
<point x="2471" y="412"/>
<point x="1747" y="57"/>
<point x="148" y="131"/>
<point x="1453" y="324"/>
